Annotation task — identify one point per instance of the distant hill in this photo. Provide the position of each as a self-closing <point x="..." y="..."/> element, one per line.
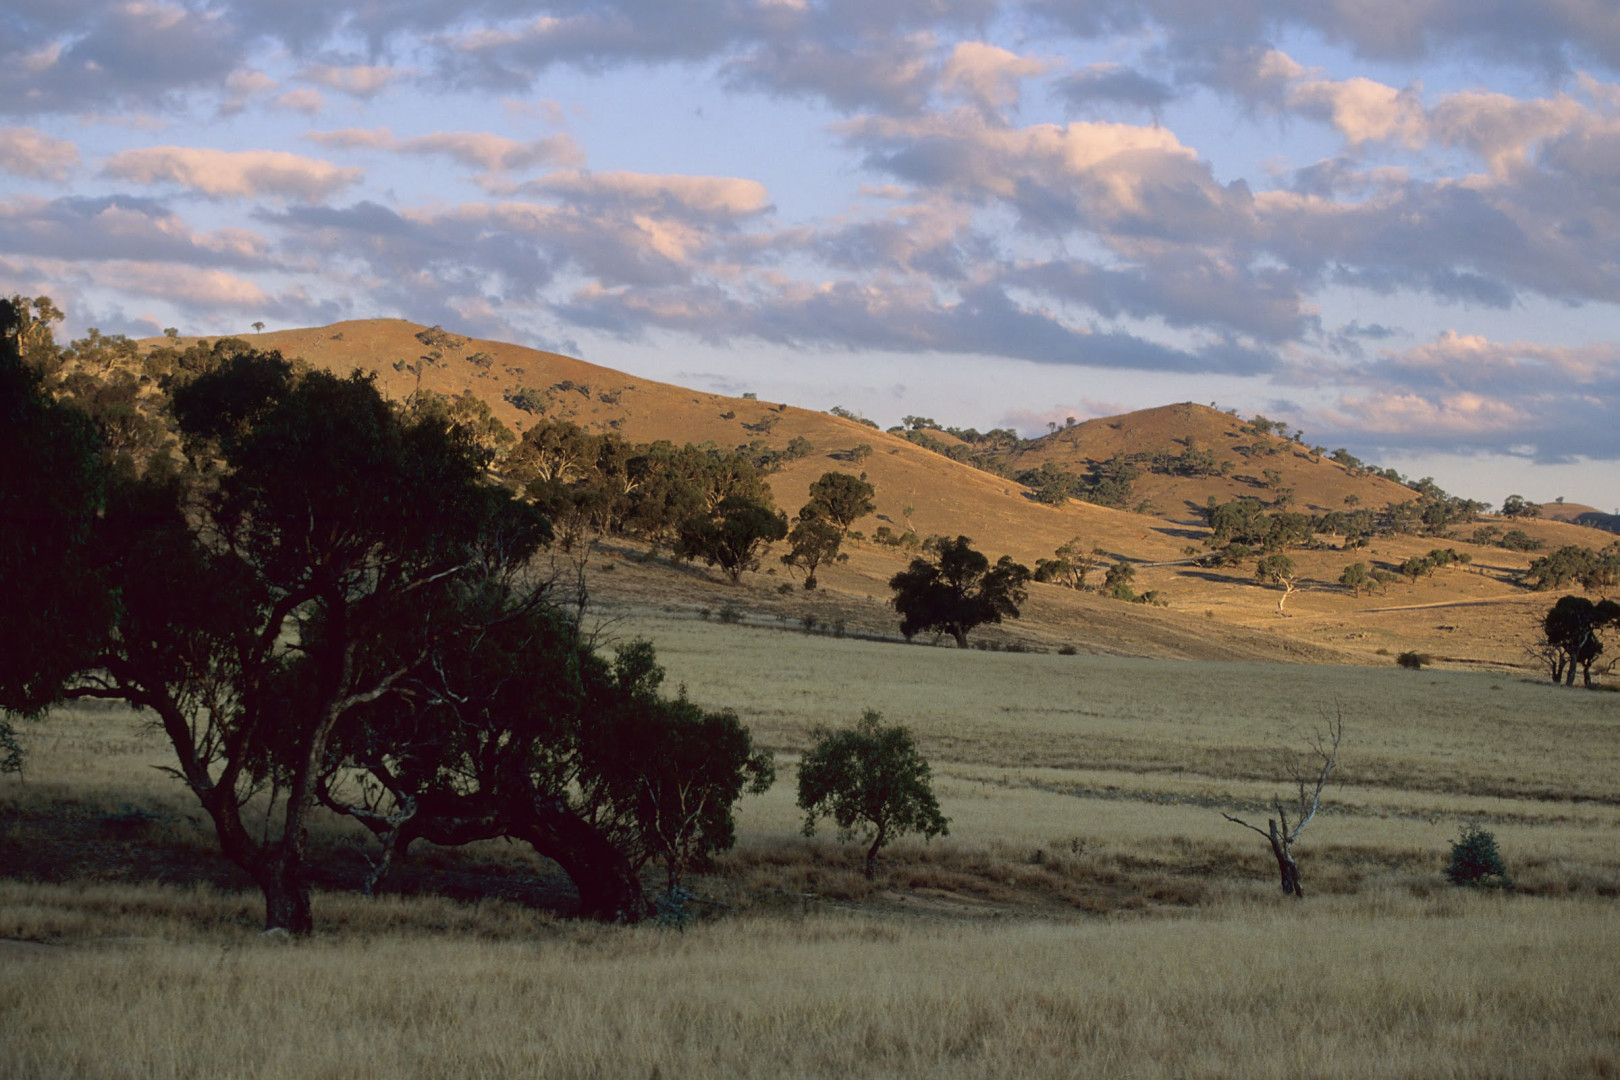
<point x="1577" y="514"/>
<point x="1467" y="615"/>
<point x="1243" y="454"/>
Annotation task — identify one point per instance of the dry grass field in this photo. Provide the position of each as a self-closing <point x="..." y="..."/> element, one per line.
<point x="1091" y="913"/>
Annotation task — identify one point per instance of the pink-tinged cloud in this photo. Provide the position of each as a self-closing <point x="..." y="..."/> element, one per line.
<point x="363" y="81"/>
<point x="186" y="286"/>
<point x="303" y="100"/>
<point x="1502" y="130"/>
<point x="1364" y="111"/>
<point x="704" y="196"/>
<point x="1473" y="363"/>
<point x="1460" y="414"/>
<point x="988" y="77"/>
<point x="475" y="149"/>
<point x="241" y="174"/>
<point x="27" y="152"/>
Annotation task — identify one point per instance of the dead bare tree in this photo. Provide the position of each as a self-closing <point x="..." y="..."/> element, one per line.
<point x="1310" y="776"/>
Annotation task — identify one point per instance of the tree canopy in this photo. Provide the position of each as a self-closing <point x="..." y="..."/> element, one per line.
<point x="317" y="587"/>
<point x="952" y="588"/>
<point x="873" y="783"/>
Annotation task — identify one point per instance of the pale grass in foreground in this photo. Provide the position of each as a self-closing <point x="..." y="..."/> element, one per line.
<point x="1378" y="985"/>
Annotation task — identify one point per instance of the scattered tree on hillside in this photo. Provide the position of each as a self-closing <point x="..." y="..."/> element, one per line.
<point x="1278" y="570"/>
<point x="1070" y="565"/>
<point x="1119" y="581"/>
<point x="842" y="499"/>
<point x="1594" y="570"/>
<point x="1517" y="506"/>
<point x="814" y="540"/>
<point x="871" y="781"/>
<point x="734" y="536"/>
<point x="953" y="589"/>
<point x="1356" y="578"/>
<point x="1309" y="778"/>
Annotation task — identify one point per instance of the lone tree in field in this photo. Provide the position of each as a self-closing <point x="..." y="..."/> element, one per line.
<point x="1309" y="778"/>
<point x="872" y="782"/>
<point x="1571" y="629"/>
<point x="953" y="589"/>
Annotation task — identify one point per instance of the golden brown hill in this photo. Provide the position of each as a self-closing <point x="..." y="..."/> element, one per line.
<point x="1476" y="614"/>
<point x="1579" y="514"/>
<point x="1244" y="454"/>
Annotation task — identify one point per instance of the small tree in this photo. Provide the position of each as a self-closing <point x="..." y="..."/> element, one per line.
<point x="1309" y="780"/>
<point x="734" y="536"/>
<point x="956" y="589"/>
<point x="1356" y="578"/>
<point x="872" y="782"/>
<point x="1476" y="861"/>
<point x="842" y="499"/>
<point x="814" y="540"/>
<point x="1278" y="570"/>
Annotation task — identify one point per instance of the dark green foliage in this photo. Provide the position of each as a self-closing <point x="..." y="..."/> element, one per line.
<point x="1475" y="860"/>
<point x="662" y="774"/>
<point x="1356" y="578"/>
<point x="529" y="400"/>
<point x="814" y="540"/>
<point x="1069" y="567"/>
<point x="842" y="499"/>
<point x="1117" y="583"/>
<point x="52" y="489"/>
<point x="871" y="781"/>
<point x="1519" y="540"/>
<point x="1572" y="629"/>
<point x="1594" y="570"/>
<point x="953" y="589"/>
<point x="733" y="537"/>
<point x="1516" y="506"/>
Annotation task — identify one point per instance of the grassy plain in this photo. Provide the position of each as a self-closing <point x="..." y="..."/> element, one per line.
<point x="1091" y="913"/>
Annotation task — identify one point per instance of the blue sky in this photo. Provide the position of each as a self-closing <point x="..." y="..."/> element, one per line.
<point x="1395" y="225"/>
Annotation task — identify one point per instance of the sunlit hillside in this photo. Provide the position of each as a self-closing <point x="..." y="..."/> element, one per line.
<point x="1470" y="615"/>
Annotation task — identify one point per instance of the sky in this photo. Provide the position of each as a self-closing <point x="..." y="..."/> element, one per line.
<point x="1393" y="224"/>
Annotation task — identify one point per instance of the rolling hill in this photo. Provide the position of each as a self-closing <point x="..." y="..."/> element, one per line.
<point x="1468" y="615"/>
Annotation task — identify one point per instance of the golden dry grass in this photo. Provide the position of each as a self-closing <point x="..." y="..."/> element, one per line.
<point x="1452" y="986"/>
<point x="1091" y="913"/>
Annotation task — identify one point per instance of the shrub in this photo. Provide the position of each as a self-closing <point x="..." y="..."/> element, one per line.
<point x="1414" y="660"/>
<point x="1476" y="861"/>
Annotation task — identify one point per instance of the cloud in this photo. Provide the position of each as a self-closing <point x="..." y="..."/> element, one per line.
<point x="33" y="154"/>
<point x="122" y="227"/>
<point x="240" y="174"/>
<point x="1363" y="110"/>
<point x="307" y="101"/>
<point x="111" y="56"/>
<point x="364" y="81"/>
<point x="1112" y="84"/>
<point x="479" y="150"/>
<point x="987" y="77"/>
<point x="1464" y="392"/>
<point x="705" y="198"/>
